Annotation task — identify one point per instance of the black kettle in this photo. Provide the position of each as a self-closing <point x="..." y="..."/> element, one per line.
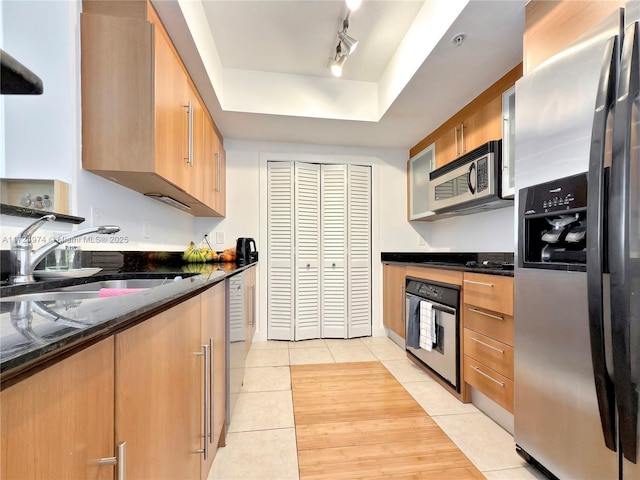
<point x="246" y="251"/>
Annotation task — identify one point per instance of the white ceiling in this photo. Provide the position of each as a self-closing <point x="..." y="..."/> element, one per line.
<point x="261" y="65"/>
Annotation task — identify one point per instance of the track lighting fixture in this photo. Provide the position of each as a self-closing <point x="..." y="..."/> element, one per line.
<point x="353" y="4"/>
<point x="337" y="63"/>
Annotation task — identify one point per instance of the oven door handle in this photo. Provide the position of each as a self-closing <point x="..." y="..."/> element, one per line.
<point x="436" y="306"/>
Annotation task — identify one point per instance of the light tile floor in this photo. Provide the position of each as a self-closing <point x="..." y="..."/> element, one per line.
<point x="261" y="442"/>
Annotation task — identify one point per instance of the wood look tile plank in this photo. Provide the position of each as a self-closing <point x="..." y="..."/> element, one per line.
<point x="355" y="421"/>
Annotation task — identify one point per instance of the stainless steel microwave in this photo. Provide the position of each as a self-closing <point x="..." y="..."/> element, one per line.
<point x="469" y="184"/>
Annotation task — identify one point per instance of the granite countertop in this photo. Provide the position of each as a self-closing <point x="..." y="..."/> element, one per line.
<point x="34" y="332"/>
<point x="491" y="263"/>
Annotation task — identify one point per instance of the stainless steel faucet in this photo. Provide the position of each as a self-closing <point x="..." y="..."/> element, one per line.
<point x="25" y="260"/>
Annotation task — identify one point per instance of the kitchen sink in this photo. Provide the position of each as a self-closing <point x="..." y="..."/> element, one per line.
<point x="121" y="283"/>
<point x="88" y="290"/>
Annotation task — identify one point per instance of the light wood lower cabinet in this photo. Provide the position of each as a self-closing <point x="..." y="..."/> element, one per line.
<point x="393" y="287"/>
<point x="250" y="305"/>
<point x="59" y="422"/>
<point x="148" y="386"/>
<point x="488" y="336"/>
<point x="158" y="397"/>
<point x="213" y="332"/>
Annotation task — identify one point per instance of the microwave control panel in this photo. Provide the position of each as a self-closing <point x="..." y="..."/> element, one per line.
<point x="483" y="174"/>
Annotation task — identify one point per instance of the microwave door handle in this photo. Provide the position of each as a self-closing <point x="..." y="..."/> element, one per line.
<point x="623" y="271"/>
<point x="472" y="188"/>
<point x="595" y="242"/>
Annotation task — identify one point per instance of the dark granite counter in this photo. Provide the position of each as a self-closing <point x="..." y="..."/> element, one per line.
<point x="491" y="263"/>
<point x="34" y="333"/>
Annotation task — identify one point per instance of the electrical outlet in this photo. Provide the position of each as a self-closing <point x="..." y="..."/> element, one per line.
<point x="97" y="215"/>
<point x="421" y="241"/>
<point x="146" y="229"/>
<point x="219" y="238"/>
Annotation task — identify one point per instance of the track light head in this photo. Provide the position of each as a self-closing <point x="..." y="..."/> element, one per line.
<point x="349" y="42"/>
<point x="353" y="4"/>
<point x="337" y="63"/>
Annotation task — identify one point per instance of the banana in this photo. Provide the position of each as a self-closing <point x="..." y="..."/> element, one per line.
<point x="187" y="253"/>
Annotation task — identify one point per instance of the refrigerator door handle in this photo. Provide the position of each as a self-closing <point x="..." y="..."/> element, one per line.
<point x="605" y="101"/>
<point x="619" y="252"/>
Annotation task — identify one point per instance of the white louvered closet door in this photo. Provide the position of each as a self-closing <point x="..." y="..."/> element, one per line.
<point x="280" y="248"/>
<point x="334" y="251"/>
<point x="359" y="251"/>
<point x="307" y="251"/>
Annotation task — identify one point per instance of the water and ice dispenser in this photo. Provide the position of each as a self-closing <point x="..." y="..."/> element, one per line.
<point x="552" y="224"/>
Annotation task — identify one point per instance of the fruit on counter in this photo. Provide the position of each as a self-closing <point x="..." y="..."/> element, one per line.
<point x="193" y="254"/>
<point x="228" y="255"/>
<point x="209" y="255"/>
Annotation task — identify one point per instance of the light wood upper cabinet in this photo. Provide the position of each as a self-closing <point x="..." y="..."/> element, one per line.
<point x="137" y="127"/>
<point x="477" y="123"/>
<point x="552" y="25"/>
<point x="59" y="422"/>
<point x="214" y="161"/>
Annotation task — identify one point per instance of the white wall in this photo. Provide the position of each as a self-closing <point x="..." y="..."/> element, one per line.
<point x="43" y="133"/>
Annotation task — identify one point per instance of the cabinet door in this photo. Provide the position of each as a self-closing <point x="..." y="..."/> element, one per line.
<point x="214" y="194"/>
<point x="482" y="126"/>
<point x="447" y="147"/>
<point x="250" y="304"/>
<point x="420" y="167"/>
<point x="394" y="298"/>
<point x="171" y="143"/>
<point x="214" y="333"/>
<point x="508" y="142"/>
<point x="158" y="397"/>
<point x="59" y="422"/>
<point x="221" y="186"/>
<point x="196" y="168"/>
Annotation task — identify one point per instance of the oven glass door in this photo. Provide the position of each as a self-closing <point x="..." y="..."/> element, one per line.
<point x="443" y="357"/>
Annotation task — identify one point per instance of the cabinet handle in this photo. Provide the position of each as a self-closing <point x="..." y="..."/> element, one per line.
<point x="218" y="169"/>
<point x="462" y="136"/>
<point x="211" y="376"/>
<point x="189" y="108"/>
<point x="487" y="376"/>
<point x="487" y="345"/>
<point x="497" y="317"/>
<point x="479" y="283"/>
<point x="205" y="354"/>
<point x="455" y="135"/>
<point x="119" y="460"/>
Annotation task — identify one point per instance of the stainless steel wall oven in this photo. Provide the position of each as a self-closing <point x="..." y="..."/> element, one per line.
<point x="433" y="327"/>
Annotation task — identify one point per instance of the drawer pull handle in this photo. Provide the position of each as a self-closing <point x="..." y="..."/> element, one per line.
<point x="488" y="376"/>
<point x="484" y="284"/>
<point x="497" y="317"/>
<point x="487" y="345"/>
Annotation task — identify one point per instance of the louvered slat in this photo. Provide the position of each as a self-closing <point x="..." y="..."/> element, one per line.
<point x="307" y="250"/>
<point x="359" y="234"/>
<point x="280" y="233"/>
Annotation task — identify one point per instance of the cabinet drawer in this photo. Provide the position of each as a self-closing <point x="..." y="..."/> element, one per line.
<point x="495" y="355"/>
<point x="491" y="292"/>
<point x="492" y="384"/>
<point x="493" y="324"/>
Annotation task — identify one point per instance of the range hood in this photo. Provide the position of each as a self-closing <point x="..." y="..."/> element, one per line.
<point x="16" y="78"/>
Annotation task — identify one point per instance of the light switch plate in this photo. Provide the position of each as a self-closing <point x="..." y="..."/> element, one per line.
<point x="219" y="238"/>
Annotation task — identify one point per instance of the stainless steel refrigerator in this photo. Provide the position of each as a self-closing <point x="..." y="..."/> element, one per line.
<point x="577" y="272"/>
